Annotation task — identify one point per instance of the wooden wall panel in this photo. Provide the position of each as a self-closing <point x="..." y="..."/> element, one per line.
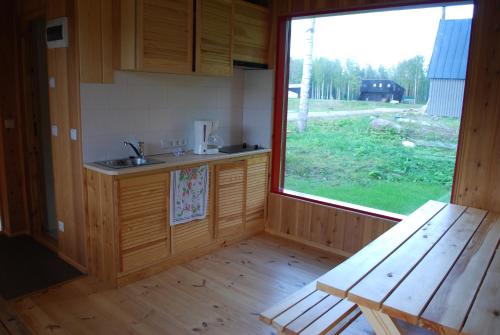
<point x="335" y="230"/>
<point x="289" y="7"/>
<point x="95" y="40"/>
<point x="13" y="197"/>
<point x="64" y="105"/>
<point x="31" y="8"/>
<point x="101" y="214"/>
<point x="478" y="170"/>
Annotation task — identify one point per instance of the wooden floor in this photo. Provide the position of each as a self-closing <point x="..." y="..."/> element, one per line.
<point x="221" y="293"/>
<point x="9" y="323"/>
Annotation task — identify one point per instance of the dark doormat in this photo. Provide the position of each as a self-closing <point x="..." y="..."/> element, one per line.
<point x="27" y="266"/>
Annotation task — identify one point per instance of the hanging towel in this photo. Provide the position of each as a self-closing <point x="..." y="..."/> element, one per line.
<point x="188" y="194"/>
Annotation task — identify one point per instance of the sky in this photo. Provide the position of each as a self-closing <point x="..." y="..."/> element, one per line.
<point x="382" y="38"/>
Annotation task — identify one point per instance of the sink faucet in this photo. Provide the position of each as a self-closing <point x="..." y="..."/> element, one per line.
<point x="138" y="151"/>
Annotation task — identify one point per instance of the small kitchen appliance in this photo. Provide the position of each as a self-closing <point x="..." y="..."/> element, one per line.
<point x="206" y="139"/>
<point x="234" y="149"/>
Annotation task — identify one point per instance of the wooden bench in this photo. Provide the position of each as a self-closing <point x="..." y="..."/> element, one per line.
<point x="309" y="311"/>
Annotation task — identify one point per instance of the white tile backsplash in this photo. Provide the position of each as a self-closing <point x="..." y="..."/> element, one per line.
<point x="258" y="107"/>
<point x="150" y="106"/>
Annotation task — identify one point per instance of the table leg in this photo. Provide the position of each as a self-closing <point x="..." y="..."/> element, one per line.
<point x="382" y="323"/>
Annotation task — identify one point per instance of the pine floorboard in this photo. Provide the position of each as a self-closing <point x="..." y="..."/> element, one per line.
<point x="220" y="293"/>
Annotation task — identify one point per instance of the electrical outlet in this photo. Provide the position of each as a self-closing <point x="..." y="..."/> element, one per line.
<point x="73" y="134"/>
<point x="60" y="225"/>
<point x="184" y="141"/>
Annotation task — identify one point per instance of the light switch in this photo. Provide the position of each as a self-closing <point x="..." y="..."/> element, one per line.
<point x="60" y="224"/>
<point x="54" y="130"/>
<point x="72" y="134"/>
<point x="52" y="82"/>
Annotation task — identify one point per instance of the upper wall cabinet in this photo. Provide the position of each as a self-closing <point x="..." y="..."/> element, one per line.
<point x="164" y="35"/>
<point x="173" y="36"/>
<point x="158" y="36"/>
<point x="153" y="35"/>
<point x="214" y="37"/>
<point x="251" y="32"/>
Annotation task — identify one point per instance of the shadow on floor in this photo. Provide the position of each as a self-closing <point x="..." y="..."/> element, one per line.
<point x="27" y="266"/>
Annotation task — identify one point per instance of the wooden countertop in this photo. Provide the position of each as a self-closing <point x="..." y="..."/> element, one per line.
<point x="169" y="161"/>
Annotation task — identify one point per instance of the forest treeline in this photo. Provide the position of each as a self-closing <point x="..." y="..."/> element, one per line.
<point x="332" y="79"/>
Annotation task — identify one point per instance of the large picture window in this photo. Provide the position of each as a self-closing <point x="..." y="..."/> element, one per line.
<point x="371" y="106"/>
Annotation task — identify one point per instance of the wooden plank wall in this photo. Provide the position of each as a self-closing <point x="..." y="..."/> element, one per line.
<point x="335" y="230"/>
<point x="13" y="209"/>
<point x="95" y="40"/>
<point x="64" y="104"/>
<point x="478" y="170"/>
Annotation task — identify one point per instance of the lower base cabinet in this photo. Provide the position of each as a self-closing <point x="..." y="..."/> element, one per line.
<point x="230" y="198"/>
<point x="130" y="236"/>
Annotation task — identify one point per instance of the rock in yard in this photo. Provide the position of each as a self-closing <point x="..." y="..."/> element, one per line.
<point x="381" y="124"/>
<point x="408" y="144"/>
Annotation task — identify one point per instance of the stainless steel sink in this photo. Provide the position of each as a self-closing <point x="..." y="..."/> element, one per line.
<point x="127" y="162"/>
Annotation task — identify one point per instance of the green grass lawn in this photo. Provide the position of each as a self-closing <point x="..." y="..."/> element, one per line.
<point x="347" y="160"/>
<point x="318" y="105"/>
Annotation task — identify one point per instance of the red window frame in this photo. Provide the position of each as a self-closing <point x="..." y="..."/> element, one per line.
<point x="281" y="106"/>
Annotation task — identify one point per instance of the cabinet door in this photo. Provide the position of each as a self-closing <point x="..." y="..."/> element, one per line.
<point x="191" y="235"/>
<point x="256" y="193"/>
<point x="143" y="220"/>
<point x="214" y="20"/>
<point x="165" y="36"/>
<point x="230" y="198"/>
<point x="251" y="32"/>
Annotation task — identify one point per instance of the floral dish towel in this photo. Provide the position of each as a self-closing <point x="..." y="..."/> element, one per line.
<point x="188" y="194"/>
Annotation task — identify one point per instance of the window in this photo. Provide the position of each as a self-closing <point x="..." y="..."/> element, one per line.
<point x="374" y="123"/>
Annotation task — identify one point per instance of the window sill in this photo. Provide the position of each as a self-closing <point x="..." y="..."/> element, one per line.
<point x="341" y="205"/>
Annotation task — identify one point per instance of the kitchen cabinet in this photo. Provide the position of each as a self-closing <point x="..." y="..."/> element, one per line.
<point x="164" y="36"/>
<point x="251" y="32"/>
<point x="128" y="220"/>
<point x="152" y="35"/>
<point x="230" y="198"/>
<point x="256" y="193"/>
<point x="192" y="235"/>
<point x="171" y="36"/>
<point x="142" y="216"/>
<point x="214" y="37"/>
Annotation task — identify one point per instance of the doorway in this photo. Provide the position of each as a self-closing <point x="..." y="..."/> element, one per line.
<point x="38" y="146"/>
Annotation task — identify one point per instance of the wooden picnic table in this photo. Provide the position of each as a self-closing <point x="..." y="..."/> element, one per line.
<point x="439" y="269"/>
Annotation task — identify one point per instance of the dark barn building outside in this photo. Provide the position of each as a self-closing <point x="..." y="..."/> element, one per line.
<point x="381" y="90"/>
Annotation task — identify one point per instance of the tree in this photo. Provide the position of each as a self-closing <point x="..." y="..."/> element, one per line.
<point x="382" y="72"/>
<point x="295" y="71"/>
<point x="305" y="83"/>
<point x="353" y="76"/>
<point x="412" y="76"/>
